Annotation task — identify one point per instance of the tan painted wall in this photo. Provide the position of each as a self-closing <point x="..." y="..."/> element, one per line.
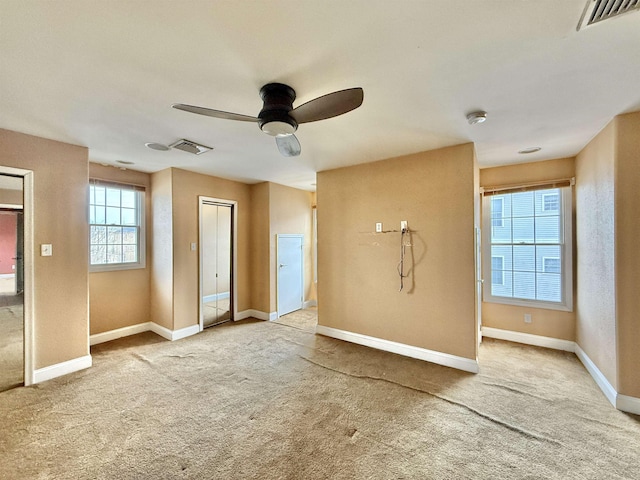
<point x="61" y="307"/>
<point x="186" y="188"/>
<point x="595" y="238"/>
<point x="10" y="197"/>
<point x="627" y="206"/>
<point x="545" y="322"/>
<point x="161" y="258"/>
<point x="290" y="213"/>
<point x="121" y="298"/>
<point x="357" y="277"/>
<point x="260" y="245"/>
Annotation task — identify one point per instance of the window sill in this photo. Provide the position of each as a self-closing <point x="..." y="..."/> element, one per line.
<point x="116" y="267"/>
<point x="529" y="303"/>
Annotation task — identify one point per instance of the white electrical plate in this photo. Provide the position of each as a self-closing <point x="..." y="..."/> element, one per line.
<point x="379" y="227"/>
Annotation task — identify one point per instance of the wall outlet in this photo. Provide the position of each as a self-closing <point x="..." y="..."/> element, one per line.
<point x="379" y="227"/>
<point x="403" y="226"/>
<point x="527" y="318"/>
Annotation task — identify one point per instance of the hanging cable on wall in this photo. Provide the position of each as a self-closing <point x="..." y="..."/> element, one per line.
<point x="404" y="243"/>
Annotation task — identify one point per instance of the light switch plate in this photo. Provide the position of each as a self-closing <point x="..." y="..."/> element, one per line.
<point x="193" y="246"/>
<point x="46" y="250"/>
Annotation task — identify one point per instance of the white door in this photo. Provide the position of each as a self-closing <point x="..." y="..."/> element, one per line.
<point x="289" y="273"/>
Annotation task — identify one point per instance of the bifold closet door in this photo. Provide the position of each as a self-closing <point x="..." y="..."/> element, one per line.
<point x="216" y="251"/>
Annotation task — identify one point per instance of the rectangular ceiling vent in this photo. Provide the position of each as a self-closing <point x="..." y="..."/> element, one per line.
<point x="190" y="147"/>
<point x="598" y="10"/>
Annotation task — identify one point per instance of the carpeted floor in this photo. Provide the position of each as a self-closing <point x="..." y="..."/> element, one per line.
<point x="11" y="342"/>
<point x="261" y="400"/>
<point x="305" y="319"/>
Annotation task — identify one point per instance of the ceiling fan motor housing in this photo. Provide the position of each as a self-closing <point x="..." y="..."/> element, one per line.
<point x="274" y="118"/>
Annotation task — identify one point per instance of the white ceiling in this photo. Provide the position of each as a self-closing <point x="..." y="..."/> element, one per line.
<point x="104" y="74"/>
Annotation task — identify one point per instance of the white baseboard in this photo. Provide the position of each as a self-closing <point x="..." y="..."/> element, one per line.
<point x="119" y="333"/>
<point x="597" y="375"/>
<point x="174" y="334"/>
<point x="310" y="303"/>
<point x="256" y="314"/>
<point x="529" y="339"/>
<point x="628" y="404"/>
<point x="215" y="296"/>
<point x="432" y="356"/>
<point x="63" y="368"/>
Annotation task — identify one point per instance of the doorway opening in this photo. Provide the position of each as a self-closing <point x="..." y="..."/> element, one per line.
<point x="217" y="261"/>
<point x="12" y="324"/>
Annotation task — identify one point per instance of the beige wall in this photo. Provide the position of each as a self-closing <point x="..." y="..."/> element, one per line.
<point x="545" y="322"/>
<point x="357" y="278"/>
<point x="627" y="206"/>
<point x="61" y="310"/>
<point x="161" y="259"/>
<point x="182" y="208"/>
<point x="595" y="237"/>
<point x="121" y="298"/>
<point x="290" y="213"/>
<point x="260" y="245"/>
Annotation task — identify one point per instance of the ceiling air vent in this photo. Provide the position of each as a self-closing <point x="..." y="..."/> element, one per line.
<point x="598" y="10"/>
<point x="190" y="147"/>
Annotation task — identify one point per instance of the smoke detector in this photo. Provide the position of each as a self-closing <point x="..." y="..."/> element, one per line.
<point x="476" y="117"/>
<point x="598" y="10"/>
<point x="190" y="147"/>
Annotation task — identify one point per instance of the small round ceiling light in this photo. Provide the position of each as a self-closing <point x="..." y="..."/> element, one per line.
<point x="124" y="162"/>
<point x="156" y="146"/>
<point x="476" y="117"/>
<point x="525" y="151"/>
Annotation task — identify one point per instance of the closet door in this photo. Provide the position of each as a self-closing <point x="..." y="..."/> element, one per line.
<point x="216" y="255"/>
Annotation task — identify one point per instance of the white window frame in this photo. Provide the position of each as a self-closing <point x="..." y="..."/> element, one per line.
<point x="141" y="243"/>
<point x="566" y="253"/>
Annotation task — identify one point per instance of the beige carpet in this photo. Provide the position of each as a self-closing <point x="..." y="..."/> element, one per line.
<point x="306" y="319"/>
<point x="11" y="342"/>
<point x="260" y="400"/>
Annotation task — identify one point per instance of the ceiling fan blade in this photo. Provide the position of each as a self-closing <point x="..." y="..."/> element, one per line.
<point x="328" y="106"/>
<point x="214" y="113"/>
<point x="288" y="145"/>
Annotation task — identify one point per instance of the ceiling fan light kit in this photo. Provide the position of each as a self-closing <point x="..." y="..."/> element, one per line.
<point x="279" y="119"/>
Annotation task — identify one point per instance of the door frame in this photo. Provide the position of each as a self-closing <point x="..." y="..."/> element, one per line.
<point x="278" y="237"/>
<point x="29" y="276"/>
<point x="202" y="200"/>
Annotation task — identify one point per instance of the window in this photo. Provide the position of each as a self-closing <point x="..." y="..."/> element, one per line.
<point x="551" y="265"/>
<point x="528" y="252"/>
<point x="116" y="221"/>
<point x="497" y="209"/>
<point x="550" y="202"/>
<point x="497" y="270"/>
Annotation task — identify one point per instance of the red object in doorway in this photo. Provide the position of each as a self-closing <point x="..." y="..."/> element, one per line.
<point x="8" y="239"/>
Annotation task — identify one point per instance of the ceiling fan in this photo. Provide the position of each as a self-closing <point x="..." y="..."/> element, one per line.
<point x="278" y="117"/>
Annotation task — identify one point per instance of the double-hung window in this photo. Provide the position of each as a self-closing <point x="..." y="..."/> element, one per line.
<point x="116" y="221"/>
<point x="527" y="247"/>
